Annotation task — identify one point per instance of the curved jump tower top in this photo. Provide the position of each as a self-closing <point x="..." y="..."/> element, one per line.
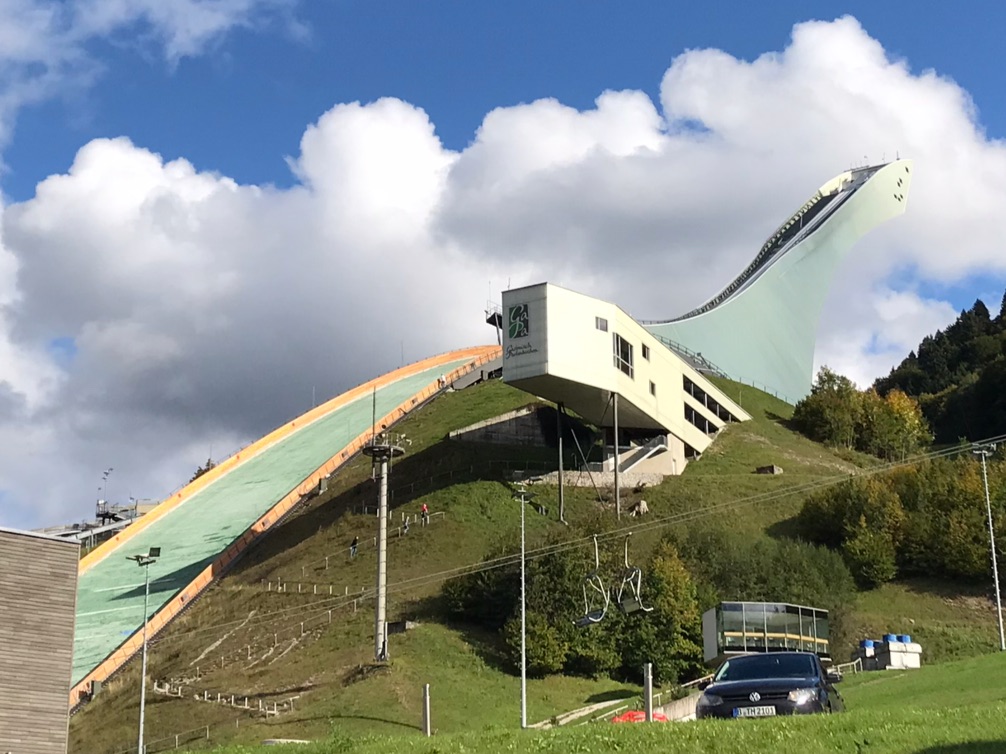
<point x="762" y="327"/>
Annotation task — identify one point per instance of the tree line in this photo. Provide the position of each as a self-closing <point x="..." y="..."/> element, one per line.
<point x="836" y="413"/>
<point x="958" y="375"/>
<point x="925" y="520"/>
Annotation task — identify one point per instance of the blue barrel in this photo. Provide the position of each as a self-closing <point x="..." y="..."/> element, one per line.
<point x="866" y="643"/>
<point x="905" y="639"/>
<point x="890" y="638"/>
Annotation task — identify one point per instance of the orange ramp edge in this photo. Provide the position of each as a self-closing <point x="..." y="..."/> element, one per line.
<point x="480" y="355"/>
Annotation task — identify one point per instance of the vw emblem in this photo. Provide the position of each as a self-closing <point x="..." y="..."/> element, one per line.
<point x="755" y="696"/>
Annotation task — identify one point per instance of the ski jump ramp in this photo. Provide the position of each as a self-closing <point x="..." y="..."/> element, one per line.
<point x="203" y="528"/>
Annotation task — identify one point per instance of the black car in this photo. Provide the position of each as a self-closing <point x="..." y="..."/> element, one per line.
<point x="775" y="683"/>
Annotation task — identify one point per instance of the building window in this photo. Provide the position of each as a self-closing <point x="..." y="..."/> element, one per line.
<point x="601" y="324"/>
<point x="653" y="389"/>
<point x="623" y="354"/>
<point x="706" y="400"/>
<point x="646" y="352"/>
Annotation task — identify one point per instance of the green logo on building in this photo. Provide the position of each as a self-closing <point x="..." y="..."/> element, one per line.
<point x="518" y="319"/>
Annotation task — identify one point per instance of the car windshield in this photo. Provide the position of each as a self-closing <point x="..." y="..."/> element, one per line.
<point x="753" y="667"/>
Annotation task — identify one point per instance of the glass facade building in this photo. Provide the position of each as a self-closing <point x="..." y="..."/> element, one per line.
<point x="744" y="627"/>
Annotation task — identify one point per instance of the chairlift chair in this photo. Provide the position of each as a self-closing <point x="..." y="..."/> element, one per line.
<point x="595" y="595"/>
<point x="628" y="596"/>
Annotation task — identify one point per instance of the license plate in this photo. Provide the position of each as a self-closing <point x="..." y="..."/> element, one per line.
<point x="767" y="711"/>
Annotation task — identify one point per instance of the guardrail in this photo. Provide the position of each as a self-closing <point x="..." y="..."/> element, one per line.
<point x="856" y="666"/>
<point x="637" y="702"/>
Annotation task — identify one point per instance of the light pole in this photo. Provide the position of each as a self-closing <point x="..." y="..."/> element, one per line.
<point x="984" y="451"/>
<point x="524" y="496"/>
<point x="144" y="562"/>
<point x="104" y="484"/>
<point x="383" y="448"/>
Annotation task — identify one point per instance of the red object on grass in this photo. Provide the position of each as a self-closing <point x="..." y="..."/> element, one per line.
<point x="639" y="716"/>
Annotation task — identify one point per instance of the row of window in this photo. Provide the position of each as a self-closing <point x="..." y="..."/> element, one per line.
<point x="622" y="356"/>
<point x="706" y="400"/>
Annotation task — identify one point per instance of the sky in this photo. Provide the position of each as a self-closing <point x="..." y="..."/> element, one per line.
<point x="214" y="213"/>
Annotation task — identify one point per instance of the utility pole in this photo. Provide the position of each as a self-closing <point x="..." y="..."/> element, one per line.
<point x="524" y="497"/>
<point x="382" y="449"/>
<point x="984" y="451"/>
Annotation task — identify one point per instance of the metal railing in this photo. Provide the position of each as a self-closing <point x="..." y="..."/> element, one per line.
<point x="637" y="702"/>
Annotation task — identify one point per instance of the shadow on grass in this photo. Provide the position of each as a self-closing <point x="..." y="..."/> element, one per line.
<point x="442" y="465"/>
<point x="396" y="723"/>
<point x="487" y="645"/>
<point x="976" y="747"/>
<point x="788" y="528"/>
<point x="612" y="696"/>
<point x="782" y="421"/>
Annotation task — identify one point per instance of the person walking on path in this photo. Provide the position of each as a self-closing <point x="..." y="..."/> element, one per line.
<point x="352" y="547"/>
<point x="425" y="514"/>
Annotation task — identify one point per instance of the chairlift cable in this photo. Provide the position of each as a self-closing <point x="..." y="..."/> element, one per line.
<point x="335" y="603"/>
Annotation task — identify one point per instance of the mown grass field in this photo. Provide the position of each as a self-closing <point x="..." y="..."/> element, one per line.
<point x="245" y="639"/>
<point x="953" y="708"/>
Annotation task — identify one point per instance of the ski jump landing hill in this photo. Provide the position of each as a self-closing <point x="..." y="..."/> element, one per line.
<point x="206" y="526"/>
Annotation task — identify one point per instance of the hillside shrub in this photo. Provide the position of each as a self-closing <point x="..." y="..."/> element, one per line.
<point x="924" y="520"/>
<point x="835" y="413"/>
<point x="669" y="636"/>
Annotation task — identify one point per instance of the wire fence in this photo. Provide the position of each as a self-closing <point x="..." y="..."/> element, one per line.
<point x="167" y="743"/>
<point x="409" y="522"/>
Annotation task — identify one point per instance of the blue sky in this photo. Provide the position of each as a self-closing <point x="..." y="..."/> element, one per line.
<point x="181" y="290"/>
<point x="242" y="106"/>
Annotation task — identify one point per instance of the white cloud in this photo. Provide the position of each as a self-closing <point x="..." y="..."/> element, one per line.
<point x="206" y="312"/>
<point x="45" y="44"/>
<point x="874" y="332"/>
<point x="183" y="28"/>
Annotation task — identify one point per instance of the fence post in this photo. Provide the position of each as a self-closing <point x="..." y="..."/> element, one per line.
<point x="326" y="562"/>
<point x="426" y="711"/>
<point x="648" y="691"/>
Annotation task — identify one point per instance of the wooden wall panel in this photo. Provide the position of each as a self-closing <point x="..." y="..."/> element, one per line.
<point x="38" y="599"/>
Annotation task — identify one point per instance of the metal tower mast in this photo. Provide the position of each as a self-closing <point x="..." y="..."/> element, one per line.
<point x="382" y="449"/>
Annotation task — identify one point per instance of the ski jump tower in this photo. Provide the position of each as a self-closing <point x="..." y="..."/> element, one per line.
<point x="762" y="327"/>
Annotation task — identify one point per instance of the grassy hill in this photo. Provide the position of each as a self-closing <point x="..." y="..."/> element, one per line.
<point x="289" y="622"/>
